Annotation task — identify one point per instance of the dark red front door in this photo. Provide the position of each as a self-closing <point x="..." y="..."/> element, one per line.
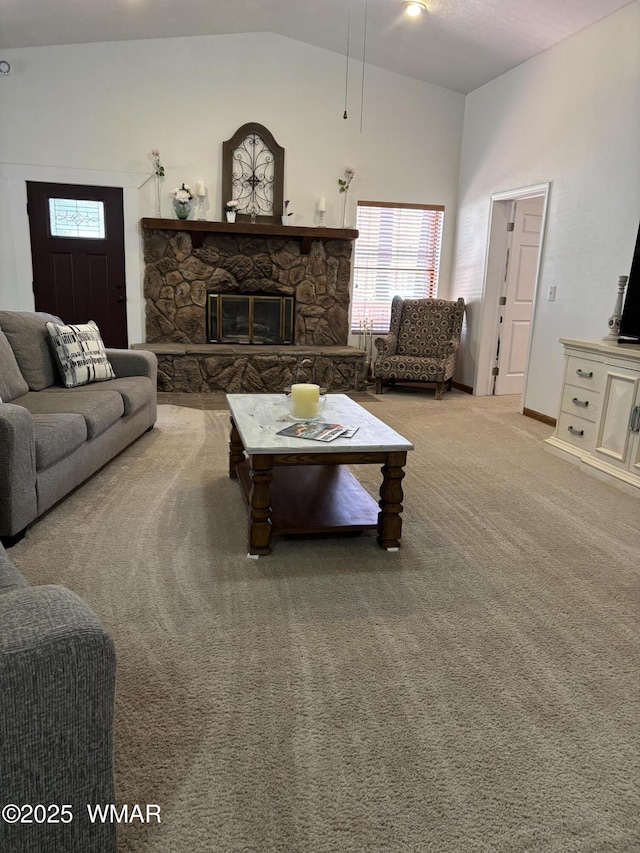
<point x="77" y="248"/>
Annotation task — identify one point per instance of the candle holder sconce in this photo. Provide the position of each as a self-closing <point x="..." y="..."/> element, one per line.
<point x="200" y="214"/>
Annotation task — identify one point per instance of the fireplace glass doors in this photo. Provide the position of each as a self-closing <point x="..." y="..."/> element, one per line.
<point x="241" y="319"/>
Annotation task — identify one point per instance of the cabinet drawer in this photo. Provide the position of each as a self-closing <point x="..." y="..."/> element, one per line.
<point x="581" y="402"/>
<point x="585" y="373"/>
<point x="582" y="433"/>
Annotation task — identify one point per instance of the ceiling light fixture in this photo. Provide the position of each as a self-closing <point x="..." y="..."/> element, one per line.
<point x="415" y="8"/>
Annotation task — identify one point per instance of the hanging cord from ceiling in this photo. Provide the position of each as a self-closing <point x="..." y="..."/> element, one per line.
<point x="346" y="78"/>
<point x="364" y="59"/>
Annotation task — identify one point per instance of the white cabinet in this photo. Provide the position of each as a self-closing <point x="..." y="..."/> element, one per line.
<point x="598" y="425"/>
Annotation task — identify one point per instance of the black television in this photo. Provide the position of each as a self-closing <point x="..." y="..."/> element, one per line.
<point x="630" y="320"/>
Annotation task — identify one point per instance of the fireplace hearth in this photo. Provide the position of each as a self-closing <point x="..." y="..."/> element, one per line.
<point x="236" y="318"/>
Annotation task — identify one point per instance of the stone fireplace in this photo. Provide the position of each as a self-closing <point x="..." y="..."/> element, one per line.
<point x="193" y="272"/>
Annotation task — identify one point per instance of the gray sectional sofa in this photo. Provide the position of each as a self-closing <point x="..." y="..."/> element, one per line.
<point x="57" y="689"/>
<point x="53" y="438"/>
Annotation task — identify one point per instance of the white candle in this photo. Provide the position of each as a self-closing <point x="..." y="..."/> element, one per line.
<point x="200" y="188"/>
<point x="322" y="205"/>
<point x="304" y="400"/>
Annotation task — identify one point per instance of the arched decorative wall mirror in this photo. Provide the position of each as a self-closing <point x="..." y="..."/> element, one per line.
<point x="253" y="174"/>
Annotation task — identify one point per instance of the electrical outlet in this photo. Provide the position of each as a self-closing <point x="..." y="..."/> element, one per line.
<point x="551" y="293"/>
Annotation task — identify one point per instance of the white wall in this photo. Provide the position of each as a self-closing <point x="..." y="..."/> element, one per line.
<point x="571" y="117"/>
<point x="101" y="108"/>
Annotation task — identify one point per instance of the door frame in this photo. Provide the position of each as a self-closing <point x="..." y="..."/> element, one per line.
<point x="495" y="262"/>
<point x="16" y="290"/>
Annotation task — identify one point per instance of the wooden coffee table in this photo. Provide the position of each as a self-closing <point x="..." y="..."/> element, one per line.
<point x="298" y="486"/>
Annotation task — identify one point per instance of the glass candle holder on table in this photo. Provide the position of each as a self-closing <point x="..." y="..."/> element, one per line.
<point x="305" y="402"/>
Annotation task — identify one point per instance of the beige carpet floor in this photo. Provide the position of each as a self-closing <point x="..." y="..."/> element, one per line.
<point x="476" y="691"/>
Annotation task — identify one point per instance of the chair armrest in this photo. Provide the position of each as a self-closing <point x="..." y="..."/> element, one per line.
<point x="444" y="349"/>
<point x="139" y="362"/>
<point x="57" y="688"/>
<point x="387" y="344"/>
<point x="18" y="498"/>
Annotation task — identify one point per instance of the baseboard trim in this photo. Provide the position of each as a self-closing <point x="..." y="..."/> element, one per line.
<point x="538" y="416"/>
<point x="468" y="389"/>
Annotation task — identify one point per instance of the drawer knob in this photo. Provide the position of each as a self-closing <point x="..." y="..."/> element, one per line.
<point x="588" y="374"/>
<point x="583" y="403"/>
<point x="575" y="431"/>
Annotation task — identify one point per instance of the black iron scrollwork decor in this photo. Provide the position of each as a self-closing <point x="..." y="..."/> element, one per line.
<point x="253" y="173"/>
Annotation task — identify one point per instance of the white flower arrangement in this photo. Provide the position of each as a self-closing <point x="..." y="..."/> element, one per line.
<point x="158" y="168"/>
<point x="345" y="182"/>
<point x="183" y="193"/>
<point x="231" y="205"/>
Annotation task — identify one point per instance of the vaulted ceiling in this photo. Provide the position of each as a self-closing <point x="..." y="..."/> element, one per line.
<point x="458" y="44"/>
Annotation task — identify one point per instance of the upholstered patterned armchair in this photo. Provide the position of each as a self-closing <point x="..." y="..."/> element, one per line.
<point x="422" y="344"/>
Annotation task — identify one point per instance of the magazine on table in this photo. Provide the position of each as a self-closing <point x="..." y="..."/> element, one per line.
<point x="318" y="431"/>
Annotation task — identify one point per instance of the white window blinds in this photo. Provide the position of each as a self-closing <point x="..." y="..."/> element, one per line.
<point x="397" y="252"/>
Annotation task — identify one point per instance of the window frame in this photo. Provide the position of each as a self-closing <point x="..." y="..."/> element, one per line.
<point x="374" y="313"/>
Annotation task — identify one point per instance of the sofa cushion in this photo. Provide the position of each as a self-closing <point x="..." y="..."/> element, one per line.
<point x="80" y="353"/>
<point x="10" y="577"/>
<point x="136" y="391"/>
<point x="27" y="333"/>
<point x="57" y="436"/>
<point x="12" y="382"/>
<point x="100" y="408"/>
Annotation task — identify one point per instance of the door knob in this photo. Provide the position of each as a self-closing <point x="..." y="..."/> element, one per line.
<point x="119" y="298"/>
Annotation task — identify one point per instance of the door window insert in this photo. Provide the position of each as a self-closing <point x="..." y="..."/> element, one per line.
<point x="75" y="217"/>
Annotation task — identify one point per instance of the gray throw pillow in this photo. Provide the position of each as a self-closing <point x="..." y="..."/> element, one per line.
<point x="27" y="333"/>
<point x="12" y="382"/>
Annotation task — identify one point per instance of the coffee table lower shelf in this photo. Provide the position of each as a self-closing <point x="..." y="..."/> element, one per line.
<point x="315" y="499"/>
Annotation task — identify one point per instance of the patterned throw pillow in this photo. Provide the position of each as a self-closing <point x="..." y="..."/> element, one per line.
<point x="80" y="354"/>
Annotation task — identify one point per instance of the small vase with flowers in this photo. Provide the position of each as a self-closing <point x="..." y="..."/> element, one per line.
<point x="230" y="210"/>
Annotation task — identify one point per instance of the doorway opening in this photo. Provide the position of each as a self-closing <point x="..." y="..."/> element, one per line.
<point x="514" y="252"/>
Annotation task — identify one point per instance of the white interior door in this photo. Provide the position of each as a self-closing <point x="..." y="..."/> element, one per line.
<point x="517" y="299"/>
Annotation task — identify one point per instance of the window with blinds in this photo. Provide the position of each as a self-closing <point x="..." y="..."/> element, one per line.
<point x="397" y="252"/>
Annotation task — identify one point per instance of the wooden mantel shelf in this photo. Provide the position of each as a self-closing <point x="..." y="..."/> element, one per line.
<point x="198" y="228"/>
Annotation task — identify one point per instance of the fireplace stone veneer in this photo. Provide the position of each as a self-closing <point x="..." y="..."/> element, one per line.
<point x="199" y="368"/>
<point x="184" y="261"/>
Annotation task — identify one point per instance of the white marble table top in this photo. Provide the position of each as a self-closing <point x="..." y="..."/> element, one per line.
<point x="258" y="417"/>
